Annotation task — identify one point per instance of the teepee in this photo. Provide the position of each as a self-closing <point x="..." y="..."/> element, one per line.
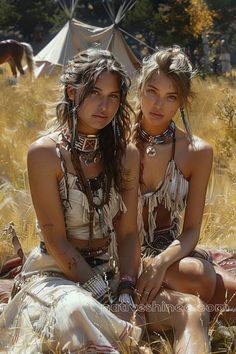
<point x="76" y="36"/>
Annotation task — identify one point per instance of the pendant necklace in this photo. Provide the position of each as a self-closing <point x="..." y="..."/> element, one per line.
<point x="153" y="140"/>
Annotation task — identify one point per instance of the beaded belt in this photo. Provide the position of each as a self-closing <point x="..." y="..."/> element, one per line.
<point x="21" y="280"/>
<point x="85" y="252"/>
<point x="88" y="253"/>
<point x="90" y="259"/>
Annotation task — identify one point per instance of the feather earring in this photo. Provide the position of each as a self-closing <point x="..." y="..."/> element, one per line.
<point x="186" y="124"/>
<point x="74" y="125"/>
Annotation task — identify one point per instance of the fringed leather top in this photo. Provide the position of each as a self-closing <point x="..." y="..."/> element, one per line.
<point x="76" y="209"/>
<point x="172" y="193"/>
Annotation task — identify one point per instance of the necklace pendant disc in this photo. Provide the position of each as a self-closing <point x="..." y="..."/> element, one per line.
<point x="151" y="151"/>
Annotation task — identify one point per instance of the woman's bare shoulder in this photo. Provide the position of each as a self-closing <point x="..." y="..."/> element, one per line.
<point x="43" y="151"/>
<point x="197" y="146"/>
<point x="200" y="154"/>
<point x="200" y="147"/>
<point x="196" y="154"/>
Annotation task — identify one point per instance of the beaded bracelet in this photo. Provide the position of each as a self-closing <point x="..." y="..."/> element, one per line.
<point x="125" y="285"/>
<point x="96" y="285"/>
<point x="128" y="300"/>
<point x="127" y="277"/>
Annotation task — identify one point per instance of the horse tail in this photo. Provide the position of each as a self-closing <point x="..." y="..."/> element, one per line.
<point x="29" y="54"/>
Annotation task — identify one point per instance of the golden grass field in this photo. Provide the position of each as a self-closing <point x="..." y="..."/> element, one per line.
<point x="23" y="114"/>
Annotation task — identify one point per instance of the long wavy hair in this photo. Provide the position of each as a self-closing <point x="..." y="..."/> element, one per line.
<point x="82" y="72"/>
<point x="175" y="64"/>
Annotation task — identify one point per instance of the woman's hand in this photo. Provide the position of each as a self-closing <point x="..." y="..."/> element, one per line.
<point x="150" y="281"/>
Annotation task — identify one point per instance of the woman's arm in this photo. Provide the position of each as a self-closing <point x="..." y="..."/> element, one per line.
<point x="129" y="250"/>
<point x="44" y="170"/>
<point x="200" y="163"/>
<point x="126" y="225"/>
<point x="200" y="167"/>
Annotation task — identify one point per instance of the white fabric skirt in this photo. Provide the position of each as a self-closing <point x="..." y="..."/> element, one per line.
<point x="53" y="314"/>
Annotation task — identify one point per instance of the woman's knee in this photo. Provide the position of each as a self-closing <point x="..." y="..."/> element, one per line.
<point x="195" y="277"/>
<point x="177" y="311"/>
<point x="196" y="309"/>
<point x="192" y="313"/>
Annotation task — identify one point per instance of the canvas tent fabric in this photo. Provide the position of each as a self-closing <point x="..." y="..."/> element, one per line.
<point x="76" y="36"/>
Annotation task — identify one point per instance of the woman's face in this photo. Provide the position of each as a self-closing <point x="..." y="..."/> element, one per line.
<point x="159" y="103"/>
<point x="101" y="105"/>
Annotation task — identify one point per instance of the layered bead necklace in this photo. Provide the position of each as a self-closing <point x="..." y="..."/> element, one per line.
<point x="95" y="203"/>
<point x="86" y="149"/>
<point x="153" y="140"/>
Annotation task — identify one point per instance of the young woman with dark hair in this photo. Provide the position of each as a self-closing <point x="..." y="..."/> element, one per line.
<point x="84" y="180"/>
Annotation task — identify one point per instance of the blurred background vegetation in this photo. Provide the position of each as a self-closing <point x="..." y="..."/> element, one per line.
<point x="189" y="23"/>
<point x="26" y="108"/>
<point x="23" y="108"/>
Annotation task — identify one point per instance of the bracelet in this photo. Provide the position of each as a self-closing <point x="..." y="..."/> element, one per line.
<point x="96" y="285"/>
<point x="127" y="277"/>
<point x="125" y="285"/>
<point x="127" y="300"/>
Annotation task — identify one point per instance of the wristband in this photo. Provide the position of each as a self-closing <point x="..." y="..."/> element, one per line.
<point x="125" y="285"/>
<point x="127" y="300"/>
<point x="96" y="285"/>
<point x="127" y="277"/>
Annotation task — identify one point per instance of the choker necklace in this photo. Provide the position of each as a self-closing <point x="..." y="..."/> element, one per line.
<point x="152" y="140"/>
<point x="86" y="145"/>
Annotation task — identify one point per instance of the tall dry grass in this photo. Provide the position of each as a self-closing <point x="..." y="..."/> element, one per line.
<point x="211" y="121"/>
<point x="23" y="113"/>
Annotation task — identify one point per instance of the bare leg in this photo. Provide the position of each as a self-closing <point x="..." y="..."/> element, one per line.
<point x="192" y="276"/>
<point x="186" y="316"/>
<point x="225" y="292"/>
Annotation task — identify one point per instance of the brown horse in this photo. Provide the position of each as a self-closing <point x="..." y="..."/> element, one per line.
<point x="12" y="52"/>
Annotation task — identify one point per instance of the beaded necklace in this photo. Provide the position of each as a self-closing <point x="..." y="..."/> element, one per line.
<point x="87" y="145"/>
<point x="153" y="140"/>
<point x="88" y="186"/>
